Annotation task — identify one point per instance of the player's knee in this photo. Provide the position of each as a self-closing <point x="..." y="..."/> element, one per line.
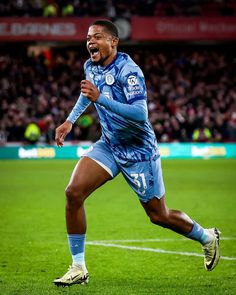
<point x="74" y="196"/>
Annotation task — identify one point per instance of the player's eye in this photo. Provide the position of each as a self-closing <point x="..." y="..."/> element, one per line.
<point x="98" y="37"/>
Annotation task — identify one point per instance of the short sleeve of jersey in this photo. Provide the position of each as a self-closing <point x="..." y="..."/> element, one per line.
<point x="133" y="83"/>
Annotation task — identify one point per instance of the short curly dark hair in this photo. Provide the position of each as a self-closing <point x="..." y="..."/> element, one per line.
<point x="110" y="26"/>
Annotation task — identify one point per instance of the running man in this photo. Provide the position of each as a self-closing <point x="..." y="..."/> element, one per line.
<point x="116" y="86"/>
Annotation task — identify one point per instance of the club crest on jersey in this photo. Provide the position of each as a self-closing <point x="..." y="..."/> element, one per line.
<point x="132" y="80"/>
<point x="109" y="79"/>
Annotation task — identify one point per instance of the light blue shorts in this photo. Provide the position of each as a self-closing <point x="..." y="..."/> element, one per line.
<point x="145" y="178"/>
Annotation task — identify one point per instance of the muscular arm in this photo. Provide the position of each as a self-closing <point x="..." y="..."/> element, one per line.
<point x="80" y="106"/>
<point x="137" y="111"/>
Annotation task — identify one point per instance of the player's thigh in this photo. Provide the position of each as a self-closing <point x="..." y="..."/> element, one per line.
<point x="145" y="178"/>
<point x="96" y="167"/>
<point x="86" y="177"/>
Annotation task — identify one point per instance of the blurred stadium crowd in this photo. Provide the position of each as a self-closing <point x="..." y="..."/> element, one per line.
<point x="117" y="8"/>
<point x="191" y="91"/>
<point x="192" y="94"/>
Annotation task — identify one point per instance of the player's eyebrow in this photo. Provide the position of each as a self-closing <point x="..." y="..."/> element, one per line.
<point x="96" y="34"/>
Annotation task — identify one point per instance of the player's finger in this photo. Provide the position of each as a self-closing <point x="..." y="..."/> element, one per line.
<point x="85" y="88"/>
<point x="60" y="138"/>
<point x="85" y="92"/>
<point x="59" y="142"/>
<point x="83" y="84"/>
<point x="86" y="84"/>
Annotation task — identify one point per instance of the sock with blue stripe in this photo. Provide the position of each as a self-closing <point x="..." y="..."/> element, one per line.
<point x="199" y="234"/>
<point x="76" y="244"/>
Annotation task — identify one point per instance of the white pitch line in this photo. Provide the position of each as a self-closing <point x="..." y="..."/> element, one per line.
<point x="140" y="240"/>
<point x="156" y="240"/>
<point x="152" y="250"/>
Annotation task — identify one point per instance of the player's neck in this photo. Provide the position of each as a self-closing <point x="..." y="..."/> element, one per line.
<point x="109" y="59"/>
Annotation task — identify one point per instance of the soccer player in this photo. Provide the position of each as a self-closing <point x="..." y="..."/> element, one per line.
<point x="116" y="86"/>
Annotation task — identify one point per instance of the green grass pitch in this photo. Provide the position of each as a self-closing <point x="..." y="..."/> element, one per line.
<point x="33" y="238"/>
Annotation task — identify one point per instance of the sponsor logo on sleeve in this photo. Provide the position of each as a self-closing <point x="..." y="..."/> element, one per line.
<point x="134" y="88"/>
<point x="132" y="80"/>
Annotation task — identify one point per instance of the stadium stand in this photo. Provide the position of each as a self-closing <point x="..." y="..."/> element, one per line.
<point x="191" y="89"/>
<point x="188" y="90"/>
<point x="117" y="8"/>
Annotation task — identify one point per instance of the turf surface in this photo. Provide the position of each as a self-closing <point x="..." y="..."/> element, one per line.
<point x="34" y="246"/>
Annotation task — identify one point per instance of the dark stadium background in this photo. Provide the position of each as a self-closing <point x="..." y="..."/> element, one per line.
<point x="191" y="82"/>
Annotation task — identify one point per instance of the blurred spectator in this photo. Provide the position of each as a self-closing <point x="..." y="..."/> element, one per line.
<point x="68" y="9"/>
<point x="47" y="128"/>
<point x="32" y="133"/>
<point x="50" y="9"/>
<point x="202" y="134"/>
<point x="85" y="121"/>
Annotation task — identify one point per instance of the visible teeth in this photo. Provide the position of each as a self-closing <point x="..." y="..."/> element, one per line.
<point x="95" y="53"/>
<point x="93" y="50"/>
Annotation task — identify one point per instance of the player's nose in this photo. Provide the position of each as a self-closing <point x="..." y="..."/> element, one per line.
<point x="91" y="41"/>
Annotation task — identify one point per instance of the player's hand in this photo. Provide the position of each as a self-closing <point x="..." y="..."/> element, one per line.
<point x="89" y="90"/>
<point x="61" y="132"/>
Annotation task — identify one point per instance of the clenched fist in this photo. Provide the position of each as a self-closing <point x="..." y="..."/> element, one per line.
<point x="89" y="90"/>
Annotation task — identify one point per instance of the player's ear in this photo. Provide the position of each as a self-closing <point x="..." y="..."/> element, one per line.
<point x="115" y="41"/>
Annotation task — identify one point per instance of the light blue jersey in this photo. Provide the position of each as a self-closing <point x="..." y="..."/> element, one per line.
<point x="128" y="143"/>
<point x="122" y="108"/>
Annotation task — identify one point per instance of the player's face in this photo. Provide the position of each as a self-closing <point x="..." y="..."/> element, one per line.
<point x="101" y="45"/>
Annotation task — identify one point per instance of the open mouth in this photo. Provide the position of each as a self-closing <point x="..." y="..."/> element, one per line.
<point x="94" y="52"/>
